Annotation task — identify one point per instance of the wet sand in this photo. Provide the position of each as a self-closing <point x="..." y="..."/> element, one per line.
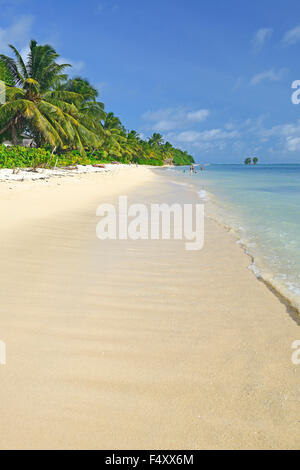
<point x="135" y="344"/>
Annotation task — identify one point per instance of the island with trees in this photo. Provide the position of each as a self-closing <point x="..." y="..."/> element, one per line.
<point x="250" y="161"/>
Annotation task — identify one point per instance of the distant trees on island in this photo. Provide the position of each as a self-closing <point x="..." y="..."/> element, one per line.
<point x="249" y="161"/>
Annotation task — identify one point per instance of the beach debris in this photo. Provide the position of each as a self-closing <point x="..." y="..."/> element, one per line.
<point x="70" y="168"/>
<point x="23" y="174"/>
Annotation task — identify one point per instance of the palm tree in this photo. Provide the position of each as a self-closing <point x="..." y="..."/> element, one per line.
<point x="255" y="160"/>
<point x="248" y="161"/>
<point x="168" y="152"/>
<point x="91" y="111"/>
<point x="114" y="137"/>
<point x="156" y="140"/>
<point x="36" y="107"/>
<point x="5" y="75"/>
<point x="81" y="86"/>
<point x="133" y="147"/>
<point x="88" y="103"/>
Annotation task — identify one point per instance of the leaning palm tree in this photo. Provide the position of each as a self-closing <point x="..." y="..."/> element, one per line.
<point x="114" y="136"/>
<point x="91" y="111"/>
<point x="35" y="107"/>
<point x="133" y="147"/>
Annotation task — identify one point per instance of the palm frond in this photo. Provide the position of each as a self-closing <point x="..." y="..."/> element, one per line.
<point x="20" y="63"/>
<point x="13" y="69"/>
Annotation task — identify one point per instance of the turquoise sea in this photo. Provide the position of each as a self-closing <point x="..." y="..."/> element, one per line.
<point x="261" y="205"/>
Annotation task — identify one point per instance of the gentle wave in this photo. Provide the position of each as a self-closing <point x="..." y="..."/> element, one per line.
<point x="203" y="195"/>
<point x="259" y="206"/>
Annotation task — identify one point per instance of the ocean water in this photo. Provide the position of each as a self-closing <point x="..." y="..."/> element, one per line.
<point x="261" y="205"/>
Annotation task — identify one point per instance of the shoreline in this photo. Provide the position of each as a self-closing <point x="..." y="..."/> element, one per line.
<point x="279" y="289"/>
<point x="294" y="311"/>
<point x="42" y="176"/>
<point x="128" y="344"/>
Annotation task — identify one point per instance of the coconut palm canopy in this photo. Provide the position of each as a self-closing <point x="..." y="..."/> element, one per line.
<point x="38" y="106"/>
<point x="54" y="110"/>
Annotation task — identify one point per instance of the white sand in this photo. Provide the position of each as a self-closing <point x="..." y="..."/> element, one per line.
<point x="135" y="345"/>
<point x="27" y="174"/>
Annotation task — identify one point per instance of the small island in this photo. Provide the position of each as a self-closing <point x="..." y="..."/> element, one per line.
<point x="250" y="161"/>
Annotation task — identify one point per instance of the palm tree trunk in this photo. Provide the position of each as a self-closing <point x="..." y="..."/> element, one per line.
<point x="12" y="123"/>
<point x="5" y="128"/>
<point x="14" y="135"/>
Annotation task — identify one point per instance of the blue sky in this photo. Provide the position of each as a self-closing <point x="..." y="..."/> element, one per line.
<point x="213" y="76"/>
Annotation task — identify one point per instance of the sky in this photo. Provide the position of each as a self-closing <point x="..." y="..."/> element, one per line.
<point x="214" y="77"/>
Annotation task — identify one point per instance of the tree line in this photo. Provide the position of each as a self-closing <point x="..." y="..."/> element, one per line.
<point x="64" y="115"/>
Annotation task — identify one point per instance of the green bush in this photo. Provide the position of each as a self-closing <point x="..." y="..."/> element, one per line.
<point x="150" y="161"/>
<point x="22" y="157"/>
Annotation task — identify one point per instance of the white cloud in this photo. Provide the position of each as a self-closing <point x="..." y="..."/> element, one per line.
<point x="206" y="136"/>
<point x="176" y="125"/>
<point x="168" y="119"/>
<point x="288" y="135"/>
<point x="261" y="36"/>
<point x="188" y="136"/>
<point x="271" y="75"/>
<point x="199" y="115"/>
<point x="17" y="34"/>
<point x="292" y="36"/>
<point x="240" y="137"/>
<point x="283" y="130"/>
<point x="293" y="144"/>
<point x="77" y="66"/>
<point x="205" y="141"/>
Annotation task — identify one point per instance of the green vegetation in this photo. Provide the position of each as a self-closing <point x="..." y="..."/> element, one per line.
<point x="249" y="161"/>
<point x="20" y="157"/>
<point x="5" y="75"/>
<point x="64" y="119"/>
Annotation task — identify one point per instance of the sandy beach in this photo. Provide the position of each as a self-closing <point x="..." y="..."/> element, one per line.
<point x="135" y="344"/>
